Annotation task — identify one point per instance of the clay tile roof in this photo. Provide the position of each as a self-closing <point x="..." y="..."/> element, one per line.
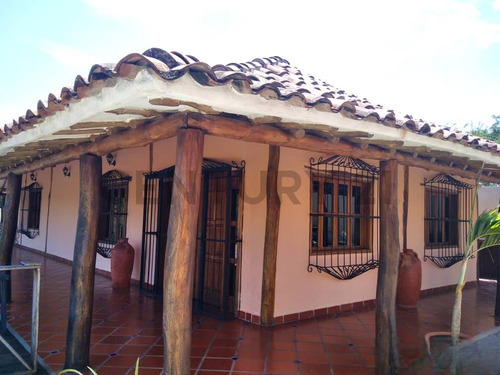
<point x="271" y="77"/>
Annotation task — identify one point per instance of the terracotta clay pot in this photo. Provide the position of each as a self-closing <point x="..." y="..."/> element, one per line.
<point x="122" y="263"/>
<point x="409" y="279"/>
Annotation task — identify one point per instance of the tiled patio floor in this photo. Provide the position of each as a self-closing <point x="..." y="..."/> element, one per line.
<point x="127" y="325"/>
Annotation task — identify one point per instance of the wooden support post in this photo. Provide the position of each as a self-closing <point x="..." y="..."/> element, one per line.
<point x="271" y="238"/>
<point x="406" y="195"/>
<point x="82" y="277"/>
<point x="387" y="353"/>
<point x="9" y="227"/>
<point x="180" y="252"/>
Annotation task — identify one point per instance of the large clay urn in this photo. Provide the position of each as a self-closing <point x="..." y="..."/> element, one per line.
<point x="409" y="279"/>
<point x="122" y="263"/>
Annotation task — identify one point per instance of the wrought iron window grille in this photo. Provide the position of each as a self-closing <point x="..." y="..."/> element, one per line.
<point x="344" y="220"/>
<point x="114" y="203"/>
<point x="30" y="210"/>
<point x="447" y="210"/>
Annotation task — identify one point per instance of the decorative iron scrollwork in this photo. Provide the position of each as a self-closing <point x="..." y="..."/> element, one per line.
<point x="344" y="221"/>
<point x="447" y="210"/>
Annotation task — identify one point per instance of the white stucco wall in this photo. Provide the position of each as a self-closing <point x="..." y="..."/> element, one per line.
<point x="297" y="289"/>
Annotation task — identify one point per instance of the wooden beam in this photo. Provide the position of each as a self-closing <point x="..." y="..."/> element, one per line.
<point x="246" y="131"/>
<point x="271" y="238"/>
<point x="243" y="130"/>
<point x="141" y="136"/>
<point x="9" y="226"/>
<point x="387" y="354"/>
<point x="180" y="252"/>
<point x="84" y="258"/>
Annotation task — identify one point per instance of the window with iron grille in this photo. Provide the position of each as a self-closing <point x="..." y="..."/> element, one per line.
<point x="114" y="202"/>
<point x="442" y="218"/>
<point x="343" y="217"/>
<point x="447" y="210"/>
<point x="30" y="210"/>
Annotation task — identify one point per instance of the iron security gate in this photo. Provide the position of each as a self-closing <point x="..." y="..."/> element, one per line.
<point x="157" y="198"/>
<point x="219" y="228"/>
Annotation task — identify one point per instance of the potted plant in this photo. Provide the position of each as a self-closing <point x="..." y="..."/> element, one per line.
<point x="487" y="229"/>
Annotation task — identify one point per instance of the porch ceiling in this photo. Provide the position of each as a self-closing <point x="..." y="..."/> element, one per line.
<point x="148" y="90"/>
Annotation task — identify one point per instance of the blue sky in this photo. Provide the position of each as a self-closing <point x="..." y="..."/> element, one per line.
<point x="435" y="59"/>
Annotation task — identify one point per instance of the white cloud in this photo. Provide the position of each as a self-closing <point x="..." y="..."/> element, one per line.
<point x="69" y="56"/>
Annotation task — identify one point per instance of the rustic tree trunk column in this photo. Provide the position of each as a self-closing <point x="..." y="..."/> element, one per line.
<point x="10" y="214"/>
<point x="271" y="238"/>
<point x="82" y="277"/>
<point x="386" y="336"/>
<point x="180" y="252"/>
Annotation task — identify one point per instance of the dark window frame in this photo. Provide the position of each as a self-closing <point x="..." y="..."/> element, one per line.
<point x="31" y="210"/>
<point x="331" y="214"/>
<point x="114" y="211"/>
<point x="441" y="215"/>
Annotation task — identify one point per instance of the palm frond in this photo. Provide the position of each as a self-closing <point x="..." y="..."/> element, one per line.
<point x="486" y="227"/>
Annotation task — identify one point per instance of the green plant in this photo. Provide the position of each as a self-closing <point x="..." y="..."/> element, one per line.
<point x="72" y="371"/>
<point x="487" y="229"/>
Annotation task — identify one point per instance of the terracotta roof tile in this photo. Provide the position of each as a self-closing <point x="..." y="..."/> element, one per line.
<point x="271" y="77"/>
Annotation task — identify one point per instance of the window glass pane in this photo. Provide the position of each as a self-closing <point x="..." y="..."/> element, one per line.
<point x="356" y="231"/>
<point x="431" y="215"/>
<point x="440" y="217"/>
<point x="315" y="196"/>
<point x="356" y="200"/>
<point x="342" y="199"/>
<point x="342" y="234"/>
<point x="314" y="232"/>
<point x="327" y="232"/>
<point x="328" y="197"/>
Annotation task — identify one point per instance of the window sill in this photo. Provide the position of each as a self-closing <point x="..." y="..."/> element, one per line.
<point x="313" y="252"/>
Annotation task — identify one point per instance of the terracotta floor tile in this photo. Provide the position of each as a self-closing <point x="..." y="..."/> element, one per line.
<point x="198" y="351"/>
<point x="226" y="343"/>
<point x="113" y="370"/>
<point x="252" y="353"/>
<point x="148" y="371"/>
<point x="137" y="350"/>
<point x="249" y="365"/>
<point x="315" y="369"/>
<point x="151" y="361"/>
<point x="282" y="345"/>
<point x="105" y="348"/>
<point x="312" y="357"/>
<point x="221" y="352"/>
<point x="344" y="358"/>
<point x="143" y="340"/>
<point x="217" y="364"/>
<point x="309" y="346"/>
<point x="282" y="355"/>
<point x="350" y="370"/>
<point x="115" y="340"/>
<point x="279" y="367"/>
<point x="121" y="360"/>
<point x="96" y="360"/>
